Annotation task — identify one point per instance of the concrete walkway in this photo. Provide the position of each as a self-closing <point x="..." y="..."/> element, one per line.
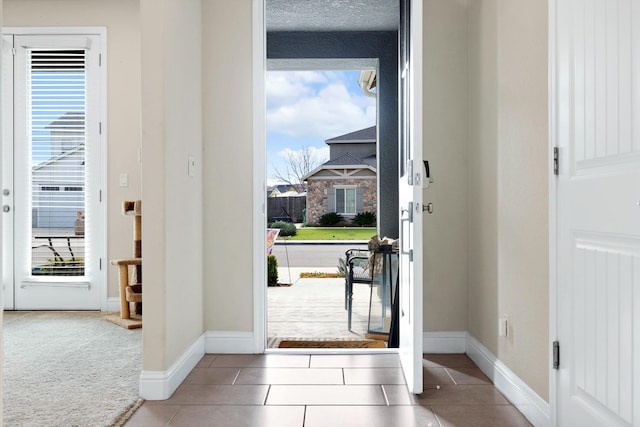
<point x="314" y="308"/>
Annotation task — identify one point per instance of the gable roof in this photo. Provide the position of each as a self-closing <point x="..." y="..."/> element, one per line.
<point x="346" y="161"/>
<point x="362" y="136"/>
<point x="59" y="157"/>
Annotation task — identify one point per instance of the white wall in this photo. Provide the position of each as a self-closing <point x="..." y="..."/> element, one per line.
<point x="445" y="146"/>
<point x="172" y="200"/>
<point x="228" y="159"/>
<point x="483" y="172"/>
<point x="508" y="182"/>
<point x="121" y="17"/>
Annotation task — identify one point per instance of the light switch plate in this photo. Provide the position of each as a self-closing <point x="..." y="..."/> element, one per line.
<point x="124" y="180"/>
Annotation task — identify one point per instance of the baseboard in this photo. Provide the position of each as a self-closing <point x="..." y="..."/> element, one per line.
<point x="223" y="342"/>
<point x="444" y="342"/>
<point x="160" y="385"/>
<point x="532" y="406"/>
<point x="112" y="305"/>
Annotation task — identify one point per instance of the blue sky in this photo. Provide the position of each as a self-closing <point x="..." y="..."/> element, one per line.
<point x="304" y="108"/>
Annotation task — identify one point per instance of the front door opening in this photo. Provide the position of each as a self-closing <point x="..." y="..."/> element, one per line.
<point x="322" y="200"/>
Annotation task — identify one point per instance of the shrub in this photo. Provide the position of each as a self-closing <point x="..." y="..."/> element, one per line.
<point x="272" y="270"/>
<point x="365" y="219"/>
<point x="286" y="228"/>
<point x="330" y="218"/>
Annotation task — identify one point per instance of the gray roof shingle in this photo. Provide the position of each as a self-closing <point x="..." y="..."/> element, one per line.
<point x="349" y="160"/>
<point x="362" y="135"/>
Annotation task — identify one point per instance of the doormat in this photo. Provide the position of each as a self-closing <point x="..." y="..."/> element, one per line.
<point x="332" y="344"/>
<point x="132" y="323"/>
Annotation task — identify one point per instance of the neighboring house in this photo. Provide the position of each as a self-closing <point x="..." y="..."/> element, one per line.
<point x="347" y="182"/>
<point x="284" y="190"/>
<point x="58" y="182"/>
<point x="58" y="190"/>
<point x="67" y="132"/>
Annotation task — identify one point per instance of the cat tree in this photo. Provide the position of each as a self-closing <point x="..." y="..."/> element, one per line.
<point x="131" y="285"/>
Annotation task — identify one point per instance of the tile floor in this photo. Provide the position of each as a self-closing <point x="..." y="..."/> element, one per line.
<point x="330" y="390"/>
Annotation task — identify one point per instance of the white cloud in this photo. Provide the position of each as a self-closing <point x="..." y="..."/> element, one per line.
<point x="316" y="105"/>
<point x="283" y="88"/>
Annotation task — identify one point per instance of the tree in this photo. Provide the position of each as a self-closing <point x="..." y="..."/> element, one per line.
<point x="298" y="165"/>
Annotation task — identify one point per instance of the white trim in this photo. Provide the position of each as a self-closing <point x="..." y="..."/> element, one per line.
<point x="160" y="385"/>
<point x="230" y="342"/>
<point x="553" y="205"/>
<point x="111" y="305"/>
<point x="331" y="351"/>
<point x="104" y="164"/>
<point x="36" y="31"/>
<point x="527" y="401"/>
<point x="444" y="342"/>
<point x="259" y="181"/>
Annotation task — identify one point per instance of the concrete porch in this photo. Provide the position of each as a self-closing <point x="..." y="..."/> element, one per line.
<point x="314" y="308"/>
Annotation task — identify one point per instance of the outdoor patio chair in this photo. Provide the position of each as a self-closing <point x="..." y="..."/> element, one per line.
<point x="357" y="270"/>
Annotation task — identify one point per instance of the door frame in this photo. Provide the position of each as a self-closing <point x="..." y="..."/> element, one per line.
<point x="259" y="58"/>
<point x="101" y="240"/>
<point x="259" y="47"/>
<point x="553" y="208"/>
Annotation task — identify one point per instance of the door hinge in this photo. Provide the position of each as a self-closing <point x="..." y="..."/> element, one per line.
<point x="100" y="196"/>
<point x="100" y="128"/>
<point x="556" y="161"/>
<point x="556" y="355"/>
<point x="100" y="60"/>
<point x="13" y="51"/>
<point x="100" y="264"/>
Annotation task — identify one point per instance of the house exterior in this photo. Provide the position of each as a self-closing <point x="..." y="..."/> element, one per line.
<point x="347" y="182"/>
<point x="285" y="190"/>
<point x="60" y="178"/>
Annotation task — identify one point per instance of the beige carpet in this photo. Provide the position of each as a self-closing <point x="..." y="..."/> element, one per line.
<point x="69" y="369"/>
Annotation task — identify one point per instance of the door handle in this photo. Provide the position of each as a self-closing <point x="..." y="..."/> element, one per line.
<point x="6" y="208"/>
<point x="408" y="219"/>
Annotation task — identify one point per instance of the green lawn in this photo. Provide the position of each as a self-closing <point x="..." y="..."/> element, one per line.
<point x="334" y="233"/>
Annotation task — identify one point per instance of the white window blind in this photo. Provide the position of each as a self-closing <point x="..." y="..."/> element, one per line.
<point x="56" y="100"/>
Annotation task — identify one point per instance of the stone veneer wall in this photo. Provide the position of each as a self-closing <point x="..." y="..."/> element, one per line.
<point x="317" y="203"/>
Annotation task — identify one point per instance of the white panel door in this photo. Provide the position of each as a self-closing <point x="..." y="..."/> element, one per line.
<point x="56" y="144"/>
<point x="595" y="123"/>
<point x="410" y="194"/>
